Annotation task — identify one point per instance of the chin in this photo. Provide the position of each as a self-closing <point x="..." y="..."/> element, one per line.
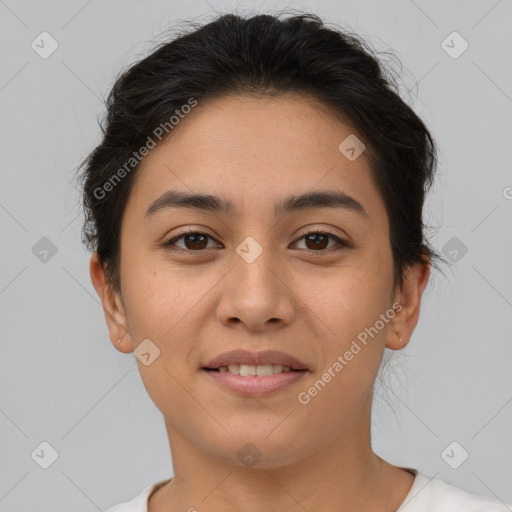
<point x="259" y="450"/>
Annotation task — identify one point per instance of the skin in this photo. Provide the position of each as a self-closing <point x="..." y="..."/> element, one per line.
<point x="306" y="301"/>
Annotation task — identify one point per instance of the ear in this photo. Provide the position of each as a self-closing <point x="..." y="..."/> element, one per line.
<point x="113" y="307"/>
<point x="409" y="296"/>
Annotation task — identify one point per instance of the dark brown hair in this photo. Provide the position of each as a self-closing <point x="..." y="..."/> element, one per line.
<point x="269" y="55"/>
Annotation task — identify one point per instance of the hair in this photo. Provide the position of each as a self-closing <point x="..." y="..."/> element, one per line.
<point x="263" y="55"/>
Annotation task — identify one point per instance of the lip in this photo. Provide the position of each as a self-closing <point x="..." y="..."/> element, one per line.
<point x="256" y="359"/>
<point x="255" y="386"/>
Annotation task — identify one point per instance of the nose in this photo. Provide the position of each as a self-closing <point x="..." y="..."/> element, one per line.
<point x="256" y="295"/>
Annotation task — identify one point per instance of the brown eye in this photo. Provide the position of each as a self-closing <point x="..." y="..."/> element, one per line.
<point x="192" y="240"/>
<point x="197" y="241"/>
<point x="318" y="241"/>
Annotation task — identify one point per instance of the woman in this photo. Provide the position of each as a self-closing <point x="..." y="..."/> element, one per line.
<point x="255" y="216"/>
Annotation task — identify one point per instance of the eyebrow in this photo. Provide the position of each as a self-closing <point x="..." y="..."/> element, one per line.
<point x="290" y="204"/>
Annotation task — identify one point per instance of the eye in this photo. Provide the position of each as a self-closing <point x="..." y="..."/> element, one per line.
<point x="317" y="241"/>
<point x="196" y="241"/>
<point x="193" y="240"/>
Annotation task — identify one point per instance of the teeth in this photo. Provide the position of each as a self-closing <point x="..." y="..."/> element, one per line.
<point x="234" y="368"/>
<point x="277" y="368"/>
<point x="263" y="370"/>
<point x="248" y="370"/>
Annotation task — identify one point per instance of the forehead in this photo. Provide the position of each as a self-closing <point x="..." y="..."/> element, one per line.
<point x="255" y="151"/>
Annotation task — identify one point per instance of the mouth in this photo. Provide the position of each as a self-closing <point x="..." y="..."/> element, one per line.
<point x="249" y="370"/>
<point x="255" y="373"/>
<point x="248" y="363"/>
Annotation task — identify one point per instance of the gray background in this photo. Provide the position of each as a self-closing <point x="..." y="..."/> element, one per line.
<point x="62" y="381"/>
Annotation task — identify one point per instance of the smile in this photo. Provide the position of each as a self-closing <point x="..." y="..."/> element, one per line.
<point x="249" y="370"/>
<point x="254" y="385"/>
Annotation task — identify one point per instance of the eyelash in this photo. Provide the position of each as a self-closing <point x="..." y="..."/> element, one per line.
<point x="342" y="244"/>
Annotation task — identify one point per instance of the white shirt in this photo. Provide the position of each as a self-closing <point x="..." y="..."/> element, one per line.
<point x="426" y="495"/>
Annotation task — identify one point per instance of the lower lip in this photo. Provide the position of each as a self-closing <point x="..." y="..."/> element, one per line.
<point x="254" y="385"/>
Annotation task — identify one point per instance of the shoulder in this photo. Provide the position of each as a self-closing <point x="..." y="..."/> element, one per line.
<point x="140" y="502"/>
<point x="428" y="493"/>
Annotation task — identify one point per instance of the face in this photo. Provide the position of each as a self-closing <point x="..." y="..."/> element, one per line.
<point x="305" y="280"/>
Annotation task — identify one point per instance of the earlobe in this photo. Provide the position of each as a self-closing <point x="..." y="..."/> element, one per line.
<point x="397" y="342"/>
<point x="403" y="324"/>
<point x="113" y="309"/>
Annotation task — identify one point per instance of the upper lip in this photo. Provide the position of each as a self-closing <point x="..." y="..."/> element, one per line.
<point x="255" y="359"/>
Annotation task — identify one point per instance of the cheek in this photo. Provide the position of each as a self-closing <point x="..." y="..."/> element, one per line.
<point x="347" y="304"/>
<point x="168" y="306"/>
<point x="349" y="307"/>
<point x="163" y="306"/>
<point x="346" y="299"/>
<point x="158" y="296"/>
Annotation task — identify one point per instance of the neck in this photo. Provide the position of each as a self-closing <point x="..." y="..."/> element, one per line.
<point x="343" y="474"/>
